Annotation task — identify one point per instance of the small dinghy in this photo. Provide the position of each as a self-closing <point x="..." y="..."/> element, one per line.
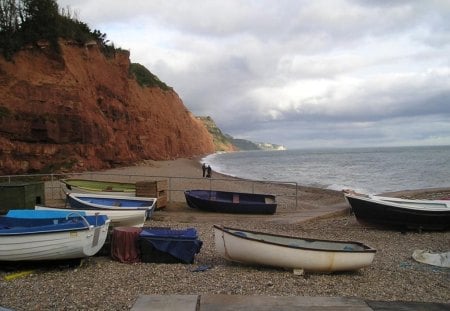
<point x="231" y="202"/>
<point x="98" y="187"/>
<point x="402" y="214"/>
<point x="50" y="236"/>
<point x="119" y="218"/>
<point x="101" y="202"/>
<point x="259" y="248"/>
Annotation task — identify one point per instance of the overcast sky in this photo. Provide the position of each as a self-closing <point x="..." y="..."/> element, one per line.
<point x="298" y="73"/>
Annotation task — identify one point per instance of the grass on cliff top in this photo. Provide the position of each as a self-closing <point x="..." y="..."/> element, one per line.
<point x="145" y="78"/>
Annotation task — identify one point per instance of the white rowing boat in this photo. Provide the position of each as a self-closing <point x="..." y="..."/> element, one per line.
<point x="119" y="218"/>
<point x="259" y="248"/>
<point x="51" y="238"/>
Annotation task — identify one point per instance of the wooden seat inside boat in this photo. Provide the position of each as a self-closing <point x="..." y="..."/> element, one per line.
<point x="235" y="198"/>
<point x="269" y="200"/>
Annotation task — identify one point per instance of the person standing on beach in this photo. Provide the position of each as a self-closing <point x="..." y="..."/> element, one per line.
<point x="209" y="171"/>
<point x="204" y="169"/>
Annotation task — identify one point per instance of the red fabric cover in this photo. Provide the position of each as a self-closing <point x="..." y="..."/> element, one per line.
<point x="124" y="244"/>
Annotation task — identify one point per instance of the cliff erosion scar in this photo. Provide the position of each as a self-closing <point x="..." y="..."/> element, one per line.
<point x="83" y="111"/>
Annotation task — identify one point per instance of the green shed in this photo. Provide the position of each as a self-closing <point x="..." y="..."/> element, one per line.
<point x="21" y="195"/>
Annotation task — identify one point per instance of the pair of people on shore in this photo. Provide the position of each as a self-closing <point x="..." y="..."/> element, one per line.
<point x="207" y="171"/>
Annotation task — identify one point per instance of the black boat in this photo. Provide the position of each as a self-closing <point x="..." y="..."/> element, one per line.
<point x="231" y="202"/>
<point x="400" y="214"/>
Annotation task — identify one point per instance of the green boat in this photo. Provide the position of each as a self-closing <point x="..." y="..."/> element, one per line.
<point x="99" y="186"/>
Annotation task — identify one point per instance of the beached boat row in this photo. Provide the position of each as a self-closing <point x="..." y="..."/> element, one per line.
<point x="123" y="211"/>
<point x="27" y="235"/>
<point x="207" y="200"/>
<point x="89" y="216"/>
<point x="76" y="230"/>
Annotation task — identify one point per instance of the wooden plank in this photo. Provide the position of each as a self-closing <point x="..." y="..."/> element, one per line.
<point x="161" y="202"/>
<point x="166" y="303"/>
<point x="151" y="188"/>
<point x="407" y="306"/>
<point x="269" y="200"/>
<point x="212" y="302"/>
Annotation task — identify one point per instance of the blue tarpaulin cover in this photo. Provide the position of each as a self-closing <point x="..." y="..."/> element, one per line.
<point x="181" y="244"/>
<point x="20" y="213"/>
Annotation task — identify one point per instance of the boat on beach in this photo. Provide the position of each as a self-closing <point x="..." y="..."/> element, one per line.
<point x="34" y="214"/>
<point x="402" y="214"/>
<point x="98" y="187"/>
<point x="57" y="237"/>
<point x="119" y="218"/>
<point x="414" y="202"/>
<point x="310" y="255"/>
<point x="102" y="202"/>
<point x="231" y="202"/>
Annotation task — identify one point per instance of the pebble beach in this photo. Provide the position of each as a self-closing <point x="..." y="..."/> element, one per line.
<point x="100" y="283"/>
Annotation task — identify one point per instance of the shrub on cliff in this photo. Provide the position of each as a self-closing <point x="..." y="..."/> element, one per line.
<point x="25" y="22"/>
<point x="145" y="78"/>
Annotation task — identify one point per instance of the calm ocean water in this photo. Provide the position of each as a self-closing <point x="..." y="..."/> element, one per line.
<point x="367" y="170"/>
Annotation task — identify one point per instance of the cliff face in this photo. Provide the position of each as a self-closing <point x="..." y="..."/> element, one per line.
<point x="221" y="141"/>
<point x="83" y="111"/>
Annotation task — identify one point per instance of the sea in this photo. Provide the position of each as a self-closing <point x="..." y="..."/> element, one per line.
<point x="365" y="170"/>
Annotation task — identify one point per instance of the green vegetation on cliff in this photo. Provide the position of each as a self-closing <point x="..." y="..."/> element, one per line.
<point x="145" y="78"/>
<point x="28" y="22"/>
<point x="24" y="22"/>
<point x="225" y="142"/>
<point x="222" y="142"/>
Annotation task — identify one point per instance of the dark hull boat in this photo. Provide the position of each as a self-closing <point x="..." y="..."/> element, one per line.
<point x="231" y="202"/>
<point x="399" y="215"/>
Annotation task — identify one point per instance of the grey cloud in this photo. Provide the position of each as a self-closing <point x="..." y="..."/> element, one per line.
<point x="380" y="68"/>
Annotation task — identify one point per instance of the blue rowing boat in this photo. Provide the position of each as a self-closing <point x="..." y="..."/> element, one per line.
<point x="231" y="202"/>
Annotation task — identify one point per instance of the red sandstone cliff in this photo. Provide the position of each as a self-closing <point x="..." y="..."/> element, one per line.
<point x="84" y="112"/>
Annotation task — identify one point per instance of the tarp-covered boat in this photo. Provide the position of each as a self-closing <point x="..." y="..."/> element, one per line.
<point x="53" y="238"/>
<point x="169" y="245"/>
<point x="259" y="248"/>
<point x="231" y="202"/>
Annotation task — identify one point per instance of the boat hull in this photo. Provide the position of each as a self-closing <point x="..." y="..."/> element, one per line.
<point x="69" y="244"/>
<point x="258" y="248"/>
<point x="415" y="203"/>
<point x="119" y="218"/>
<point x="75" y="189"/>
<point x="98" y="187"/>
<point x="109" y="202"/>
<point x="231" y="202"/>
<point x="389" y="214"/>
